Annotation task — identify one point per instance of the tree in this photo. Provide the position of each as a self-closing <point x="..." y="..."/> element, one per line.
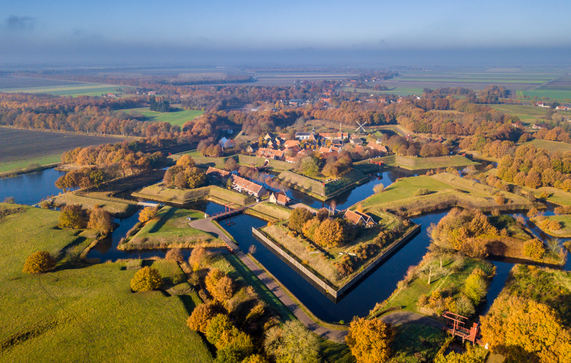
<point x="72" y="216"/>
<point x="475" y="288"/>
<point x="148" y="213"/>
<point x="174" y="254"/>
<point x="329" y="234"/>
<point x="534" y="249"/>
<point x="298" y="218"/>
<point x="197" y="258"/>
<point x="201" y="317"/>
<point x="293" y="343"/>
<point x="212" y="280"/>
<point x="100" y="220"/>
<point x="370" y="340"/>
<point x="255" y="358"/>
<point x="39" y="261"/>
<point x="195" y="177"/>
<point x="310" y="227"/>
<point x="186" y="161"/>
<point x="308" y="166"/>
<point x="526" y="331"/>
<point x="220" y="330"/>
<point x="224" y="289"/>
<point x="230" y="164"/>
<point x="238" y="347"/>
<point x="146" y="279"/>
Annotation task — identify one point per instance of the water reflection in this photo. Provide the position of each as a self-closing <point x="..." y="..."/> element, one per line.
<point x="30" y="188"/>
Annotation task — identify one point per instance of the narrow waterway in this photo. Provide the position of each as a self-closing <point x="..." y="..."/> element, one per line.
<point x="30" y="189"/>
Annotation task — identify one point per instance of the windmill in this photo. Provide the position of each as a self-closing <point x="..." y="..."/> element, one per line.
<point x="361" y="127"/>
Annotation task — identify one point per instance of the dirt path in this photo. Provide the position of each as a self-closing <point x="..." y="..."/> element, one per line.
<point x="335" y="335"/>
<point x="407" y="317"/>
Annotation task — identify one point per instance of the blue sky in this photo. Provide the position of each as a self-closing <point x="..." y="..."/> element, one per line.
<point x="35" y="27"/>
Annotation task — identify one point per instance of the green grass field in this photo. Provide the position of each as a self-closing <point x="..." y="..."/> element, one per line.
<point x="71" y="89"/>
<point x="23" y="164"/>
<point x="170" y="229"/>
<point x="441" y="162"/>
<point x="564" y="232"/>
<point x="545" y="94"/>
<point x="80" y="313"/>
<point x="116" y="207"/>
<point x="550" y="146"/>
<point x="444" y="191"/>
<point x="269" y="211"/>
<point x="213" y="193"/>
<point x="452" y="275"/>
<point x="178" y="117"/>
<point x="528" y="114"/>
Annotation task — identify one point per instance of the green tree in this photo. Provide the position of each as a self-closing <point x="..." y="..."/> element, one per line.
<point x="308" y="166"/>
<point x="72" y="216"/>
<point x="475" y="288"/>
<point x="186" y="161"/>
<point x="370" y="340"/>
<point x="310" y="227"/>
<point x="146" y="279"/>
<point x="293" y="343"/>
<point x="220" y="331"/>
<point x="39" y="261"/>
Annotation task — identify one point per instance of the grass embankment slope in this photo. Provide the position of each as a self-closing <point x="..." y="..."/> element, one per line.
<point x="177" y="117"/>
<point x="246" y="160"/>
<point x="318" y="189"/>
<point x="170" y="229"/>
<point x="117" y="207"/>
<point x="441" y="162"/>
<point x="160" y="193"/>
<point x="22" y="165"/>
<point x="551" y="146"/>
<point x="564" y="221"/>
<point x="269" y="211"/>
<point x="82" y="313"/>
<point x="444" y="191"/>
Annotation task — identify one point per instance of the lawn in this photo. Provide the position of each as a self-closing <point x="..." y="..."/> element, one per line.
<point x="564" y="232"/>
<point x="269" y="211"/>
<point x="170" y="229"/>
<point x="246" y="160"/>
<point x="319" y="189"/>
<point x="177" y="117"/>
<point x="115" y="206"/>
<point x="80" y="312"/>
<point x="441" y="162"/>
<point x="545" y="94"/>
<point x="551" y="146"/>
<point x="444" y="191"/>
<point x="159" y="192"/>
<point x="30" y="163"/>
<point x="451" y="275"/>
<point x="55" y="87"/>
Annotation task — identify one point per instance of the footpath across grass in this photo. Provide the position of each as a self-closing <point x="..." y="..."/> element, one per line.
<point x="82" y="313"/>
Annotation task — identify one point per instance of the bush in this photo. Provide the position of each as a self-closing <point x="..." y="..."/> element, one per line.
<point x="146" y="279"/>
<point x="201" y="317"/>
<point x="534" y="249"/>
<point x="500" y="200"/>
<point x="421" y="191"/>
<point x="174" y="255"/>
<point x="37" y="262"/>
<point x="464" y="306"/>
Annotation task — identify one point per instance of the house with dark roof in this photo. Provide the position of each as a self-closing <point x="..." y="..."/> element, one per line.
<point x="244" y="185"/>
<point x="356" y="217"/>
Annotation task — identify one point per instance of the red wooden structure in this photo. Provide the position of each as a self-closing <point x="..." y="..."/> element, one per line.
<point x="379" y="163"/>
<point x="455" y="326"/>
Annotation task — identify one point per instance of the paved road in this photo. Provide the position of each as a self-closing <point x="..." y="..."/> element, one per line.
<point x="335" y="335"/>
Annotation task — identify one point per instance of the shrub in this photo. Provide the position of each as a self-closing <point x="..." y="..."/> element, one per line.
<point x="146" y="279"/>
<point x="534" y="249"/>
<point x="39" y="261"/>
<point x="72" y="216"/>
<point x="464" y="306"/>
<point x="174" y="254"/>
<point x="421" y="191"/>
<point x="201" y="317"/>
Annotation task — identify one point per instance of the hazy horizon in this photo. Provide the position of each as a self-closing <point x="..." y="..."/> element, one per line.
<point x="253" y="32"/>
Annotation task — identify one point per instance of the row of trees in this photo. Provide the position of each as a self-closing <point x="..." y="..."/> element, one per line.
<point x="75" y="217"/>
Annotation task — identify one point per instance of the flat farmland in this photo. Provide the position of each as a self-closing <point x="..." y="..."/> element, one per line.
<point x="551" y="146"/>
<point x="54" y="87"/>
<point x="476" y="79"/>
<point x="562" y="83"/>
<point x="22" y="147"/>
<point x="546" y="94"/>
<point x="177" y="117"/>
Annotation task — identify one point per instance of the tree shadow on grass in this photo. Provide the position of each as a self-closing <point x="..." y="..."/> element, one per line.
<point x="164" y="218"/>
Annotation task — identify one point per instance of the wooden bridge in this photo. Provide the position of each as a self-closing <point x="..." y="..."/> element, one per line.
<point x="455" y="326"/>
<point x="228" y="212"/>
